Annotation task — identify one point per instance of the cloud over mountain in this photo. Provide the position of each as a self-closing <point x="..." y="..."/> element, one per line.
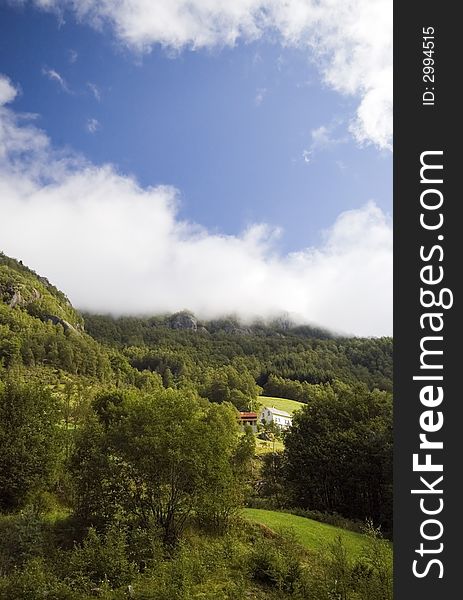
<point x="112" y="245"/>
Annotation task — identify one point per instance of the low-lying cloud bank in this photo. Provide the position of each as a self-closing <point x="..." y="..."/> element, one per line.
<point x="350" y="40"/>
<point x="113" y="246"/>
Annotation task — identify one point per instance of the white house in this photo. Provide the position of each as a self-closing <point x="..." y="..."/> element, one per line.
<point x="281" y="418"/>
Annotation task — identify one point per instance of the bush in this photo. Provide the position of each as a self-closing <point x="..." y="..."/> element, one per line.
<point x="335" y="575"/>
<point x="372" y="575"/>
<point x="35" y="582"/>
<point x="101" y="558"/>
<point x="22" y="537"/>
<point x="29" y="442"/>
<point x="144" y="547"/>
<point x="277" y="563"/>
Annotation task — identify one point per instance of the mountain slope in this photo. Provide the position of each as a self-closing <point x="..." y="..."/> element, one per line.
<point x="39" y="326"/>
<point x="22" y="288"/>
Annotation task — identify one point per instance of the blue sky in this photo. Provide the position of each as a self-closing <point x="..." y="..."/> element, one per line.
<point x="228" y="128"/>
<point x="261" y="130"/>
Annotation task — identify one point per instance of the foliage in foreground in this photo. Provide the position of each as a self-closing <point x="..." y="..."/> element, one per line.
<point x="339" y="454"/>
<point x="159" y="458"/>
<point x="244" y="562"/>
<point x="29" y="442"/>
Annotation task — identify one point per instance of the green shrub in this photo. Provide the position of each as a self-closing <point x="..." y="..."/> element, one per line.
<point x="101" y="558"/>
<point x="276" y="563"/>
<point x="334" y="576"/>
<point x="35" y="582"/>
<point x="22" y="537"/>
<point x="144" y="547"/>
<point x="29" y="442"/>
<point x="372" y="575"/>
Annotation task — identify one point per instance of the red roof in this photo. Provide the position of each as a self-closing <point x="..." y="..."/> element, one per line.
<point x="248" y="415"/>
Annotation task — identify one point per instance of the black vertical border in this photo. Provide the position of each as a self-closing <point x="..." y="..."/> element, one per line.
<point x="418" y="128"/>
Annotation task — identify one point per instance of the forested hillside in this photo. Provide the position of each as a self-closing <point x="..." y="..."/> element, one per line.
<point x="38" y="326"/>
<point x="183" y="344"/>
<point x="123" y="470"/>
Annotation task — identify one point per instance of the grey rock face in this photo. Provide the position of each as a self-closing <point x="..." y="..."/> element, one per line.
<point x="58" y="321"/>
<point x="183" y="320"/>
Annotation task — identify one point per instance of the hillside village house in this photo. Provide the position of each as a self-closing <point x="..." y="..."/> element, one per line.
<point x="248" y="418"/>
<point x="281" y="418"/>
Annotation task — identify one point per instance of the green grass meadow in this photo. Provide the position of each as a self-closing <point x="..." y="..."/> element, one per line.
<point x="266" y="446"/>
<point x="281" y="403"/>
<point x="311" y="534"/>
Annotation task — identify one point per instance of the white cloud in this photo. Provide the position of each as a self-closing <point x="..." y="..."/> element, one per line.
<point x="17" y="138"/>
<point x="260" y="95"/>
<point x="95" y="90"/>
<point x="55" y="76"/>
<point x="350" y="40"/>
<point x="7" y="91"/>
<point x="307" y="156"/>
<point x="73" y="55"/>
<point x="323" y="138"/>
<point x="92" y="125"/>
<point x="112" y="245"/>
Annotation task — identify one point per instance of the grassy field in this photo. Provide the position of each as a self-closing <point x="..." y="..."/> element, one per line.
<point x="281" y="403"/>
<point x="311" y="534"/>
<point x="265" y="446"/>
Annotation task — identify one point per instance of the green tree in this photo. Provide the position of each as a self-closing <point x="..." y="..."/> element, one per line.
<point x="226" y="384"/>
<point x="339" y="453"/>
<point x="29" y="442"/>
<point x="163" y="457"/>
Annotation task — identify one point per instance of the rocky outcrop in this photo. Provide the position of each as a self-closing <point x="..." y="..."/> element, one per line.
<point x="234" y="329"/>
<point x="23" y="290"/>
<point x="11" y="294"/>
<point x="24" y="297"/>
<point x="58" y="321"/>
<point x="230" y="326"/>
<point x="16" y="300"/>
<point x="282" y="322"/>
<point x="183" y="320"/>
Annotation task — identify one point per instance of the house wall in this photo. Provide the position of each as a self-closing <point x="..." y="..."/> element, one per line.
<point x="252" y="424"/>
<point x="267" y="416"/>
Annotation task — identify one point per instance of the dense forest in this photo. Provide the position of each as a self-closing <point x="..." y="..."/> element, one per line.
<point x="123" y="469"/>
